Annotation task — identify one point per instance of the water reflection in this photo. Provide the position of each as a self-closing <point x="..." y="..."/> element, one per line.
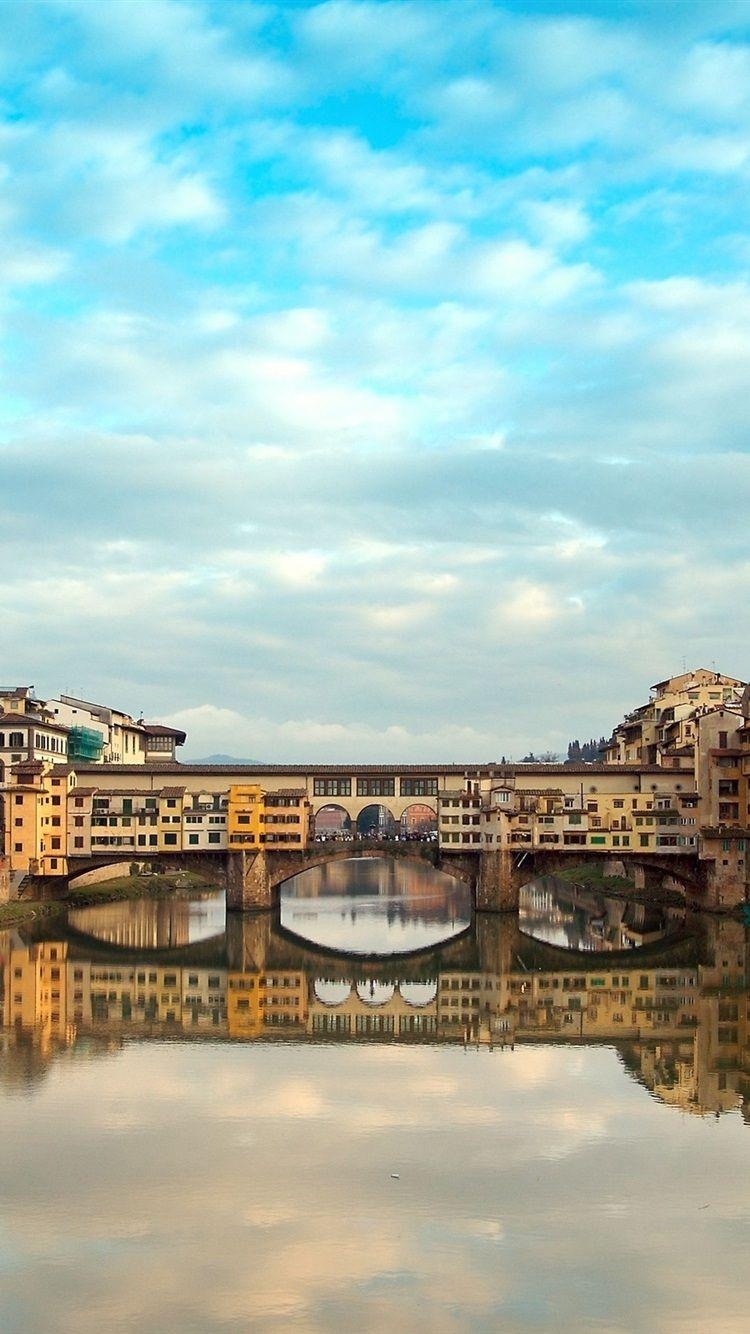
<point x="153" y="924"/>
<point x="375" y="906"/>
<point x="244" y="1132"/>
<point x="678" y="1014"/>
<point x="577" y="918"/>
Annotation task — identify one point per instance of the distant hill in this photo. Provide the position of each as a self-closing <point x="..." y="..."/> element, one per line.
<point x="220" y="759"/>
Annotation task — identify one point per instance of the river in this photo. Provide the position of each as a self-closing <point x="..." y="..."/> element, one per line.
<point x="370" y="1111"/>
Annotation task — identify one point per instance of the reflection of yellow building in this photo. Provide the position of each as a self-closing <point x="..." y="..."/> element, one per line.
<point x="682" y="1031"/>
<point x="244" y="1004"/>
<point x="36" y="991"/>
<point x="257" y="1002"/>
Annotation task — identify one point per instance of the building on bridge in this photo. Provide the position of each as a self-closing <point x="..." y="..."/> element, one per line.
<point x="683" y="794"/>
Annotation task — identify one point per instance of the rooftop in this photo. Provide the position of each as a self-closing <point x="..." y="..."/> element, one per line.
<point x="485" y="770"/>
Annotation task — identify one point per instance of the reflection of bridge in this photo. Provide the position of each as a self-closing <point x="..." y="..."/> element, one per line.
<point x="255" y="943"/>
<point x="679" y="1015"/>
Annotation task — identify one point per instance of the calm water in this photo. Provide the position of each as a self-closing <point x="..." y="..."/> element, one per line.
<point x="231" y="1130"/>
<point x="375" y="906"/>
<point x="559" y="913"/>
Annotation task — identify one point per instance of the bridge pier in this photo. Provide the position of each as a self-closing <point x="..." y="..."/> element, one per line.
<point x="500" y="879"/>
<point x="249" y="884"/>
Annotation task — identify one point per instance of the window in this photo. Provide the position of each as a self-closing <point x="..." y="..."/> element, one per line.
<point x="192" y="839"/>
<point x="214" y="838"/>
<point x="170" y="840"/>
<point x="332" y="787"/>
<point x="418" y="787"/>
<point x="376" y="787"/>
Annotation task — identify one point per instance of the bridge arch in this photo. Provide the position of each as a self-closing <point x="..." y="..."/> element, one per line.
<point x="418" y="819"/>
<point x="418" y="994"/>
<point x="376" y="821"/>
<point x="376" y="993"/>
<point x="288" y="865"/>
<point x="332" y="821"/>
<point x="671" y="871"/>
<point x="332" y="992"/>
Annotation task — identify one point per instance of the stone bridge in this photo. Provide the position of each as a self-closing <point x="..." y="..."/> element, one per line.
<point x="252" y="879"/>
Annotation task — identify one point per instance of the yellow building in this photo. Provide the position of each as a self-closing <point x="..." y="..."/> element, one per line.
<point x="34" y="818"/>
<point x="244" y="811"/>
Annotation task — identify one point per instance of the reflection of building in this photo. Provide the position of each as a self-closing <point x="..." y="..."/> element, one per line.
<point x="138" y="923"/>
<point x="681" y="1028"/>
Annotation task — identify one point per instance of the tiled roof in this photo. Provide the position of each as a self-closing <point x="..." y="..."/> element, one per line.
<point x="30" y="720"/>
<point x="160" y="729"/>
<point x="484" y="770"/>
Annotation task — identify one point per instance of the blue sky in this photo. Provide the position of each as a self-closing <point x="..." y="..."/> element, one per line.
<point x="374" y="375"/>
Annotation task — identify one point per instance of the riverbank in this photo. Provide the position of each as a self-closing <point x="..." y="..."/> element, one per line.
<point x="176" y="885"/>
<point x="620" y="887"/>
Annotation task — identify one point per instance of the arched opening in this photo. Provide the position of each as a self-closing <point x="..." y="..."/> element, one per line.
<point x="331" y="993"/>
<point x="376" y="821"/>
<point x="418" y="993"/>
<point x="332" y="822"/>
<point x="375" y="993"/>
<point x="580" y="915"/>
<point x="419" y="822"/>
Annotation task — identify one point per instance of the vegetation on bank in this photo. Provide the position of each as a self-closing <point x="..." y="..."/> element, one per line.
<point x="592" y="877"/>
<point x="17" y="913"/>
<point x="162" y="885"/>
<point x="170" y="885"/>
<point x="617" y="886"/>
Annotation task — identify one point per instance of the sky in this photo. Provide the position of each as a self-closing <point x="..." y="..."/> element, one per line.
<point x="374" y="376"/>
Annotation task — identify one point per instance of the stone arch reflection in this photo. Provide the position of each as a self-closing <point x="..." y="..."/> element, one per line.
<point x="331" y="993"/>
<point x="374" y="905"/>
<point x="375" y="993"/>
<point x="418" y="994"/>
